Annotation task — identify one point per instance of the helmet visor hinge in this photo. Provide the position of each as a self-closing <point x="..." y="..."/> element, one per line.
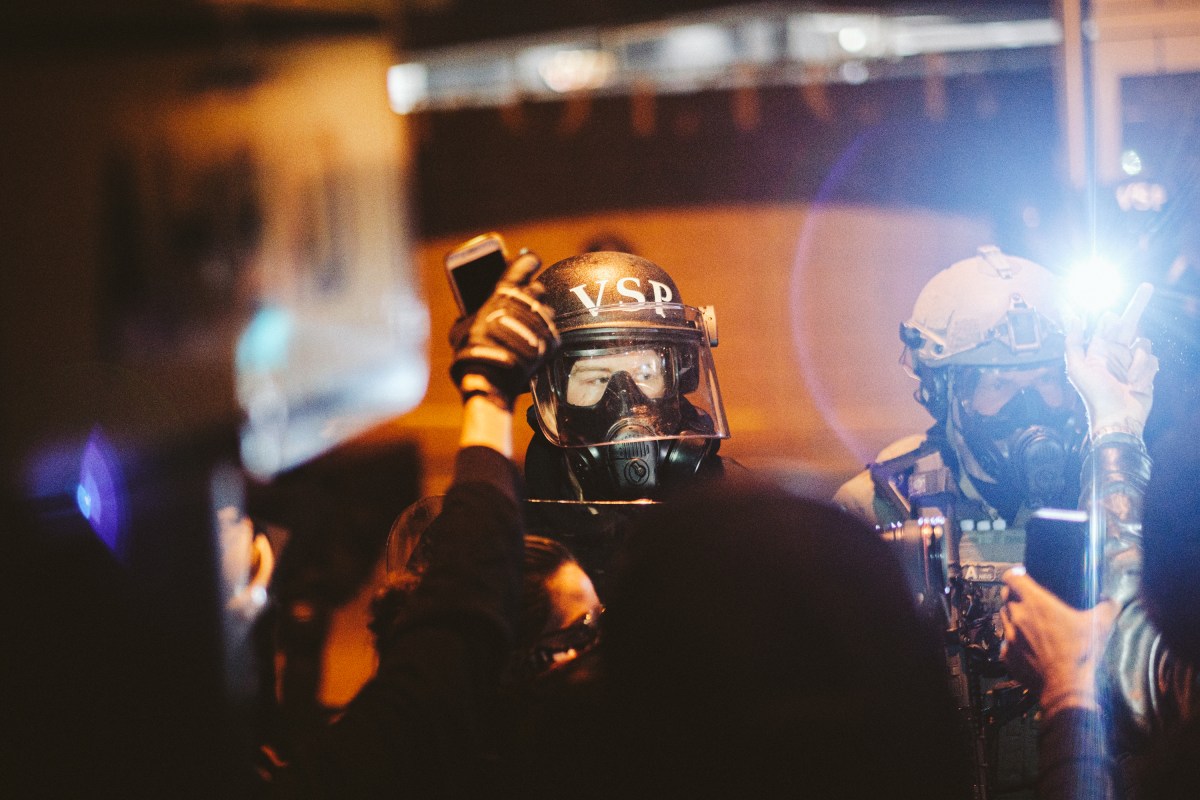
<point x="709" y="317"/>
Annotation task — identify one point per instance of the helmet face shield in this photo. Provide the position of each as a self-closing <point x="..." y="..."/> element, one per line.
<point x="629" y="373"/>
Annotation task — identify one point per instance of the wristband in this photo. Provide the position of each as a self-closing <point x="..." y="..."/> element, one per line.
<point x="1128" y="427"/>
<point x="475" y="385"/>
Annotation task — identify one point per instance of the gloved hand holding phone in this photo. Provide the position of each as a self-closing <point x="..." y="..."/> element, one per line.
<point x="499" y="347"/>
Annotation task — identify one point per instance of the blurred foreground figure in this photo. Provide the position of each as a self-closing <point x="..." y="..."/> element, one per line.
<point x="205" y="272"/>
<point x="418" y="727"/>
<point x="986" y="342"/>
<point x="758" y="645"/>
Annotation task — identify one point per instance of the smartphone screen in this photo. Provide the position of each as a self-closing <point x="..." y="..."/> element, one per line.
<point x="475" y="276"/>
<point x="1056" y="554"/>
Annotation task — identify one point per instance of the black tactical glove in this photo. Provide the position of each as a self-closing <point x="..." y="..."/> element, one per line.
<point x="497" y="350"/>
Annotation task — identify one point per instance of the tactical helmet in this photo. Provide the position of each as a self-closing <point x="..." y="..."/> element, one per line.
<point x="993" y="310"/>
<point x="635" y="367"/>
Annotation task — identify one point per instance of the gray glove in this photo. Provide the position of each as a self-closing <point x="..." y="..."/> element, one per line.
<point x="500" y="346"/>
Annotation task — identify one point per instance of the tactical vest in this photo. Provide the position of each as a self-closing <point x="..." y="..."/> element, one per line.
<point x="963" y="547"/>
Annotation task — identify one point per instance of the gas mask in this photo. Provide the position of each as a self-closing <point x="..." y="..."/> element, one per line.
<point x="627" y="421"/>
<point x="1031" y="449"/>
<point x="637" y="438"/>
<point x="624" y="411"/>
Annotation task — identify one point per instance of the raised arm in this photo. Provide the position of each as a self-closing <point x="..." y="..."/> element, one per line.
<point x="412" y="729"/>
<point x="1114" y="373"/>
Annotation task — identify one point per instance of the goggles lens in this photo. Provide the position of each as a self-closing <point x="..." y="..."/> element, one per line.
<point x="994" y="388"/>
<point x="589" y="376"/>
<point x="569" y="642"/>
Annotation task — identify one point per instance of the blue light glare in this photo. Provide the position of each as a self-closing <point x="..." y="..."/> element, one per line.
<point x="83" y="499"/>
<point x="98" y="492"/>
<point x="1094" y="285"/>
<point x="310" y="379"/>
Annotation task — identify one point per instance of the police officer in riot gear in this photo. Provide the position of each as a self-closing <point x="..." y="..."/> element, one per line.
<point x="986" y="342"/>
<point x="629" y="407"/>
<point x="626" y="409"/>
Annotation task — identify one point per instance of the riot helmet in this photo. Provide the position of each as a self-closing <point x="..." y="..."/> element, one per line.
<point x="631" y="398"/>
<point x="986" y="342"/>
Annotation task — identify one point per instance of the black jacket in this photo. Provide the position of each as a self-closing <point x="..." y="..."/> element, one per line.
<point x="414" y="730"/>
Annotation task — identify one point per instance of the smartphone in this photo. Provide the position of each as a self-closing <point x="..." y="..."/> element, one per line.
<point x="1056" y="554"/>
<point x="474" y="269"/>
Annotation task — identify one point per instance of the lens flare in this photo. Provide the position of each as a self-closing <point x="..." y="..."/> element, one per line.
<point x="98" y="492"/>
<point x="1094" y="285"/>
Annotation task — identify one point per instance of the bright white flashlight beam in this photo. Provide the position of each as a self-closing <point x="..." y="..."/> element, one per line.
<point x="1094" y="286"/>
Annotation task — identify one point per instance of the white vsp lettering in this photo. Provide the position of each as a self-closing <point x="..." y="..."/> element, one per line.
<point x="628" y="286"/>
<point x="581" y="292"/>
<point x="662" y="294"/>
<point x="633" y="294"/>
